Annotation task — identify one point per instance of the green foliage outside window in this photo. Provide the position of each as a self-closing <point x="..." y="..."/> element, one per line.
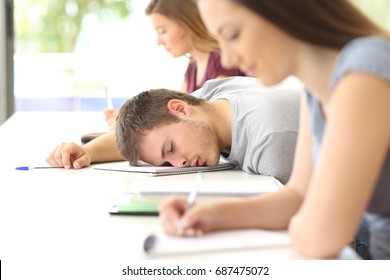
<point x="53" y="25"/>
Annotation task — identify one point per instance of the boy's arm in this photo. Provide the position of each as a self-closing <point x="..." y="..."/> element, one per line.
<point x="103" y="148"/>
<point x="72" y="155"/>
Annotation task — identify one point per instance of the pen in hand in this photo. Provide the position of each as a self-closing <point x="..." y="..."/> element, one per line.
<point x="191" y="201"/>
<point x="150" y="241"/>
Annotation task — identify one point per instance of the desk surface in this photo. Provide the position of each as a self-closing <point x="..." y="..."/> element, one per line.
<point x="59" y="214"/>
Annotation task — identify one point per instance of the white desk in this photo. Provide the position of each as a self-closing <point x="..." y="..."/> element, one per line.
<point x="56" y="220"/>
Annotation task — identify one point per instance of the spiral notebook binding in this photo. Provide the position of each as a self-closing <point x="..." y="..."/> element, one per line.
<point x="188" y="170"/>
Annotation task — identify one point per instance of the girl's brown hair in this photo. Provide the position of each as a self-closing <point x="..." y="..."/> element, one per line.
<point x="186" y="14"/>
<point x="330" y="23"/>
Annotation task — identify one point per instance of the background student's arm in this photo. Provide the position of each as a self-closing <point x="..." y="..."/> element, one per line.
<point x="222" y="76"/>
<point x="354" y="147"/>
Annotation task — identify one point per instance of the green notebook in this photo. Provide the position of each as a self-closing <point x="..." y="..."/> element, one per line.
<point x="129" y="203"/>
<point x="134" y="204"/>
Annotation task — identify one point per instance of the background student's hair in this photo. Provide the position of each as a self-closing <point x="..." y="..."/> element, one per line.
<point x="305" y="20"/>
<point x="187" y="15"/>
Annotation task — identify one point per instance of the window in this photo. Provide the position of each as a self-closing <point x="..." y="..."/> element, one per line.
<point x="113" y="50"/>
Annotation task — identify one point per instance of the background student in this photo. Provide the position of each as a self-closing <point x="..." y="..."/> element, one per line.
<point x="253" y="127"/>
<point x="342" y="162"/>
<point x="181" y="31"/>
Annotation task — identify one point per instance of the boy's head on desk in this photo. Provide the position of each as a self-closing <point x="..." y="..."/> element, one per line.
<point x="163" y="127"/>
<point x="234" y="117"/>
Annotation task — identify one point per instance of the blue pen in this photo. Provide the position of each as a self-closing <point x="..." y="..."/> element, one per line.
<point x="25" y="168"/>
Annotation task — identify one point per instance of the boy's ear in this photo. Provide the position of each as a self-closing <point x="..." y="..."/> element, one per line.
<point x="179" y="107"/>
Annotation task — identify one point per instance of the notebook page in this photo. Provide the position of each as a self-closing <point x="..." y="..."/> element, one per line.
<point x="215" y="187"/>
<point x="162" y="244"/>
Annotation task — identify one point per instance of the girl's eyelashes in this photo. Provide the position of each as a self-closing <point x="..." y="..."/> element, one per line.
<point x="160" y="31"/>
<point x="233" y="36"/>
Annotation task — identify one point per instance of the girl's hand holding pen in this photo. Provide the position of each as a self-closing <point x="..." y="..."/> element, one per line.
<point x="177" y="219"/>
<point x="177" y="222"/>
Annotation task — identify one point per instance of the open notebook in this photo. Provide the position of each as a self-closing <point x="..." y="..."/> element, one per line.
<point x="161" y="244"/>
<point x="144" y="196"/>
<point x="152" y="170"/>
<point x="212" y="188"/>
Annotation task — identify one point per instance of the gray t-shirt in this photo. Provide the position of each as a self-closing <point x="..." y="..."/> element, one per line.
<point x="366" y="55"/>
<point x="264" y="124"/>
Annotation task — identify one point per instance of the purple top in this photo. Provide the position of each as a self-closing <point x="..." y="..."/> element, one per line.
<point x="213" y="70"/>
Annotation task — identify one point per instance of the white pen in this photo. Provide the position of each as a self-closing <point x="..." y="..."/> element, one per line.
<point x="194" y="192"/>
<point x="190" y="202"/>
<point x="108" y="99"/>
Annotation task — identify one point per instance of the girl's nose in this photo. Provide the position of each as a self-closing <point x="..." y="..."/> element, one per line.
<point x="228" y="59"/>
